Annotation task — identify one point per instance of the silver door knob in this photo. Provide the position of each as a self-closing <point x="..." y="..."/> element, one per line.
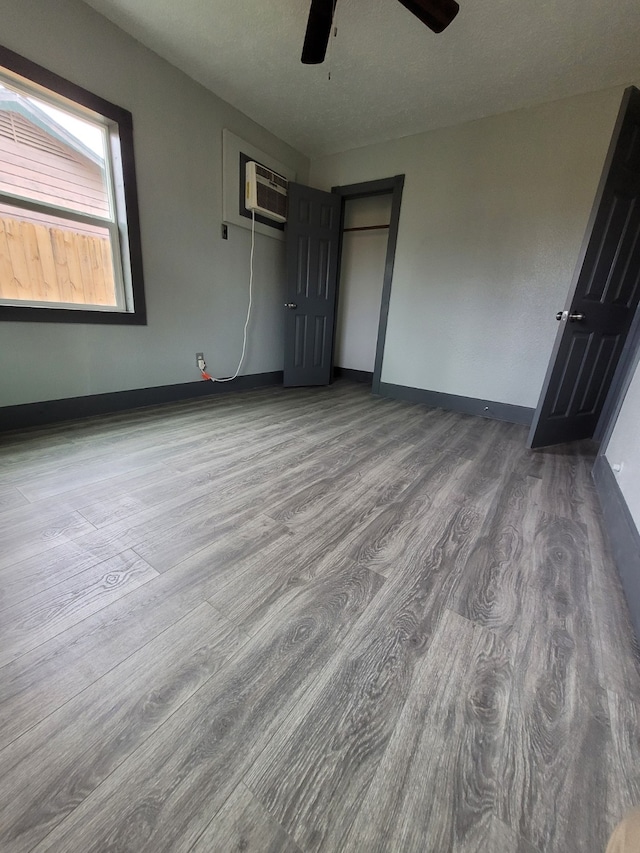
<point x="290" y="305"/>
<point x="572" y="318"/>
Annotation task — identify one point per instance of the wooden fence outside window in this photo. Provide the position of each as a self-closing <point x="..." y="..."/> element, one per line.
<point x="42" y="263"/>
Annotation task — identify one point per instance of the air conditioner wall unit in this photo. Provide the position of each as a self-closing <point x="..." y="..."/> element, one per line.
<point x="266" y="192"/>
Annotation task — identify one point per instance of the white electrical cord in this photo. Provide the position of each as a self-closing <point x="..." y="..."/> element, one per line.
<point x="246" y="323"/>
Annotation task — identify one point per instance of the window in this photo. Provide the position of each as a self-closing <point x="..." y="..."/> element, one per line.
<point x="69" y="231"/>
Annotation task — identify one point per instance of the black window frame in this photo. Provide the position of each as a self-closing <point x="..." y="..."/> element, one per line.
<point x="59" y="85"/>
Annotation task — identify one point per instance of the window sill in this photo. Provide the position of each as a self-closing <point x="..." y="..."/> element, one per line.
<point x="24" y="314"/>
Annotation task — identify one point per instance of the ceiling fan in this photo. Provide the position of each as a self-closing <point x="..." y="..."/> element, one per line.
<point x="436" y="14"/>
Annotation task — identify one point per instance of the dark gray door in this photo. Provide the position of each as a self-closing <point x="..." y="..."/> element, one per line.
<point x="605" y="296"/>
<point x="312" y="247"/>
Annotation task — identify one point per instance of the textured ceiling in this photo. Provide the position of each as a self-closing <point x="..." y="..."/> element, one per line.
<point x="390" y="75"/>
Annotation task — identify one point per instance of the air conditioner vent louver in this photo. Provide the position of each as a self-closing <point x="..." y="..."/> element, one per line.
<point x="266" y="192"/>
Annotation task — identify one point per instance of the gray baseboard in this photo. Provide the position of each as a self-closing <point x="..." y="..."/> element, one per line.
<point x="364" y="376"/>
<point x="73" y="408"/>
<point x="454" y="403"/>
<point x="623" y="535"/>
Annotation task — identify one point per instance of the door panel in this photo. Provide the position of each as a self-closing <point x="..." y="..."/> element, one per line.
<point x="600" y="370"/>
<point x="319" y="341"/>
<point x="606" y="290"/>
<point x="312" y="246"/>
<point x="300" y="339"/>
<point x="302" y="278"/>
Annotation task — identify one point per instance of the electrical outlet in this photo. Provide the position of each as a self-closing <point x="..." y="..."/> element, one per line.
<point x="200" y="362"/>
<point x="225" y="232"/>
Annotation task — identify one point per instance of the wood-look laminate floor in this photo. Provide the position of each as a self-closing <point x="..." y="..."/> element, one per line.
<point x="308" y="620"/>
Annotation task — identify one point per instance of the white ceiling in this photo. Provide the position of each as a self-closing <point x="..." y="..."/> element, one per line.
<point x="390" y="75"/>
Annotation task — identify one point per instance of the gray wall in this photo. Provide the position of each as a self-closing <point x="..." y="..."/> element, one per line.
<point x="196" y="284"/>
<point x="624" y="448"/>
<point x="361" y="279"/>
<point x="493" y="215"/>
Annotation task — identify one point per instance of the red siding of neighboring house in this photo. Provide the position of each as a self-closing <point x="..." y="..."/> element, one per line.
<point x="37" y="165"/>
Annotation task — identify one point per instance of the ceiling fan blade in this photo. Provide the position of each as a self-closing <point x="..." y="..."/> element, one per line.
<point x="436" y="14"/>
<point x="318" y="31"/>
